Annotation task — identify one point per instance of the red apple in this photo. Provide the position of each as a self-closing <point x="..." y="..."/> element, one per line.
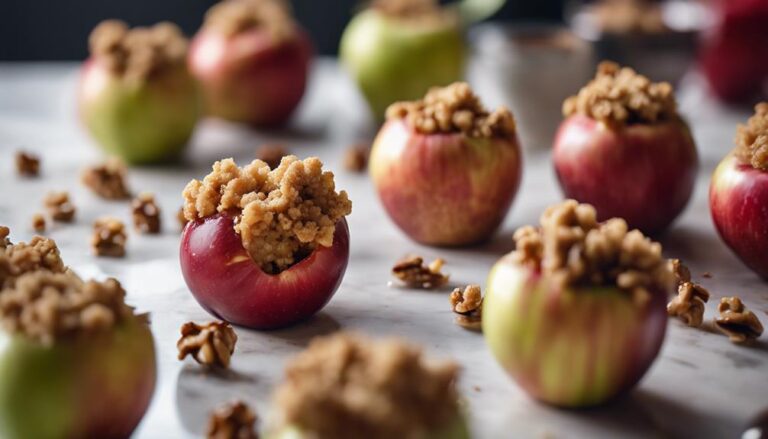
<point x="572" y="347"/>
<point x="643" y="173"/>
<point x="228" y="284"/>
<point x="738" y="199"/>
<point x="444" y="189"/>
<point x="250" y="76"/>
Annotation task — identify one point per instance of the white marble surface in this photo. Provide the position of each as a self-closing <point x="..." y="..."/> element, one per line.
<point x="701" y="385"/>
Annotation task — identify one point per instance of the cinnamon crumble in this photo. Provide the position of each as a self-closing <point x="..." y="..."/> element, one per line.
<point x="38" y="223"/>
<point x="107" y="180"/>
<point x="356" y="158"/>
<point x="752" y="138"/>
<point x="468" y="304"/>
<point x="689" y="304"/>
<point x="108" y="237"/>
<point x="59" y="206"/>
<point x="620" y="96"/>
<point x="736" y="321"/>
<point x="454" y="109"/>
<point x="235" y="16"/>
<point x="27" y="164"/>
<point x="271" y="154"/>
<point x="146" y="214"/>
<point x="40" y="254"/>
<point x="282" y="214"/>
<point x="211" y="344"/>
<point x="413" y="273"/>
<point x="346" y="386"/>
<point x="235" y="420"/>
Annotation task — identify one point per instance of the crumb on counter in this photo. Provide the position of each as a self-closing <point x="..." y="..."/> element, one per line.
<point x="468" y="304"/>
<point x="412" y="271"/>
<point x="38" y="223"/>
<point x="59" y="206"/>
<point x="107" y="180"/>
<point x="145" y="213"/>
<point x="235" y="16"/>
<point x="109" y="237"/>
<point x="27" y="164"/>
<point x="235" y="420"/>
<point x="356" y="157"/>
<point x="752" y="138"/>
<point x="211" y="344"/>
<point x="736" y="321"/>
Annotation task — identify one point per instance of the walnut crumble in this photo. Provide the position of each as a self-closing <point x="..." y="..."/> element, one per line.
<point x="145" y="213"/>
<point x="752" y="138"/>
<point x="282" y="214"/>
<point x="235" y="420"/>
<point x="40" y="254"/>
<point x="689" y="304"/>
<point x="736" y="321"/>
<point x="107" y="180"/>
<point x="454" y="109"/>
<point x="108" y="237"/>
<point x="346" y="386"/>
<point x="235" y="16"/>
<point x="619" y="96"/>
<point x="211" y="344"/>
<point x="27" y="164"/>
<point x="468" y="304"/>
<point x="59" y="206"/>
<point x="413" y="273"/>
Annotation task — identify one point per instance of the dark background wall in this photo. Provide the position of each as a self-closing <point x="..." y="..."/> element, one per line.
<point x="58" y="29"/>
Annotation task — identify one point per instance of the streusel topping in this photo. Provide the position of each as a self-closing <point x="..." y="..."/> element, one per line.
<point x="234" y="16"/>
<point x="752" y="138"/>
<point x="346" y="386"/>
<point x="619" y="95"/>
<point x="17" y="259"/>
<point x="454" y="109"/>
<point x="282" y="215"/>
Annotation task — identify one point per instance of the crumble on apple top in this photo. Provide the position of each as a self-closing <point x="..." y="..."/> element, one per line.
<point x="752" y="138"/>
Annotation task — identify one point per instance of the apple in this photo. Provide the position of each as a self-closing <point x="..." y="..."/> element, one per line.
<point x="99" y="386"/>
<point x="444" y="189"/>
<point x="644" y="173"/>
<point x="572" y="347"/>
<point x="457" y="430"/>
<point x="229" y="285"/>
<point x="738" y="200"/>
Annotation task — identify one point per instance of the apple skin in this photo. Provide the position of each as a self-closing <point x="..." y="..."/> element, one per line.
<point x="98" y="386"/>
<point x="248" y="77"/>
<point x="229" y="285"/>
<point x="444" y="189"/>
<point x="574" y="347"/>
<point x="392" y="60"/>
<point x="457" y="430"/>
<point x="738" y="200"/>
<point x="642" y="173"/>
<point x="140" y="121"/>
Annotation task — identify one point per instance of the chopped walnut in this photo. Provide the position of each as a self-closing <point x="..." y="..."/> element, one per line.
<point x="469" y="305"/>
<point x="38" y="223"/>
<point x="736" y="321"/>
<point x="282" y="215"/>
<point x="109" y="237"/>
<point x="27" y="164"/>
<point x="210" y="345"/>
<point x="356" y="158"/>
<point x="107" y="180"/>
<point x="413" y="273"/>
<point x="346" y="386"/>
<point x="146" y="214"/>
<point x="59" y="206"/>
<point x="236" y="16"/>
<point x="619" y="96"/>
<point x="235" y="420"/>
<point x="271" y="154"/>
<point x="40" y="254"/>
<point x="752" y="138"/>
<point x="454" y="109"/>
<point x="680" y="271"/>
<point x="689" y="304"/>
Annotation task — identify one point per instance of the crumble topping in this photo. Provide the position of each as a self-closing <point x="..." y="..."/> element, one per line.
<point x="347" y="386"/>
<point x="282" y="214"/>
<point x="454" y="109"/>
<point x="38" y="223"/>
<point x="413" y="273"/>
<point x="235" y="420"/>
<point x="59" y="206"/>
<point x="272" y="154"/>
<point x="356" y="157"/>
<point x="235" y="16"/>
<point x="107" y="180"/>
<point x="47" y="306"/>
<point x="40" y="254"/>
<point x="468" y="304"/>
<point x="574" y="249"/>
<point x="619" y="96"/>
<point x="752" y="138"/>
<point x="211" y="344"/>
<point x="688" y="305"/>
<point x="736" y="321"/>
<point x="108" y="237"/>
<point x="138" y="53"/>
<point x="27" y="164"/>
<point x="145" y="213"/>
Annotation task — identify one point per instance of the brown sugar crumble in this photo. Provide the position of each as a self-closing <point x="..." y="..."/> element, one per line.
<point x="27" y="164"/>
<point x="356" y="157"/>
<point x="688" y="305"/>
<point x="145" y="213"/>
<point x="272" y="154"/>
<point x="282" y="214"/>
<point x="40" y="254"/>
<point x="211" y="344"/>
<point x="236" y="16"/>
<point x="468" y="304"/>
<point x="109" y="237"/>
<point x="752" y="138"/>
<point x="235" y="420"/>
<point x="619" y="96"/>
<point x="574" y="249"/>
<point x="346" y="386"/>
<point x="59" y="206"/>
<point x="454" y="109"/>
<point x="107" y="180"/>
<point x="736" y="321"/>
<point x="412" y="271"/>
<point x="138" y="53"/>
<point x="38" y="223"/>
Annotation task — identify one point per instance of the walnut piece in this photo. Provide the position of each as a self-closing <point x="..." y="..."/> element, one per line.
<point x="38" y="223"/>
<point x="689" y="304"/>
<point x="107" y="180"/>
<point x="468" y="304"/>
<point x="145" y="213"/>
<point x="40" y="254"/>
<point x="59" y="206"/>
<point x="108" y="237"/>
<point x="235" y="16"/>
<point x="346" y="386"/>
<point x="235" y="420"/>
<point x="736" y="321"/>
<point x="680" y="271"/>
<point x="4" y="240"/>
<point x="271" y="154"/>
<point x="619" y="96"/>
<point x="752" y="138"/>
<point x="282" y="214"/>
<point x="211" y="344"/>
<point x="454" y="109"/>
<point x="413" y="273"/>
<point x="356" y="158"/>
<point x="27" y="164"/>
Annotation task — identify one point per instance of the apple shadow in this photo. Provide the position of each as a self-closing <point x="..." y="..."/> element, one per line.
<point x="301" y="334"/>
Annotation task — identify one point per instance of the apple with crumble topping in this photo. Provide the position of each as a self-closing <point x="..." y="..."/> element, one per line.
<point x="446" y="169"/>
<point x="252" y="61"/>
<point x="624" y="149"/>
<point x="265" y="248"/>
<point x="738" y="194"/>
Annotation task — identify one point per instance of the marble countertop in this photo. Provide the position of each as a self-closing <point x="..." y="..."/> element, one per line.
<point x="700" y="386"/>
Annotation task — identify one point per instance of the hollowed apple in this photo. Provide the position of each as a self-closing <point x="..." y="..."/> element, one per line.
<point x="228" y="284"/>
